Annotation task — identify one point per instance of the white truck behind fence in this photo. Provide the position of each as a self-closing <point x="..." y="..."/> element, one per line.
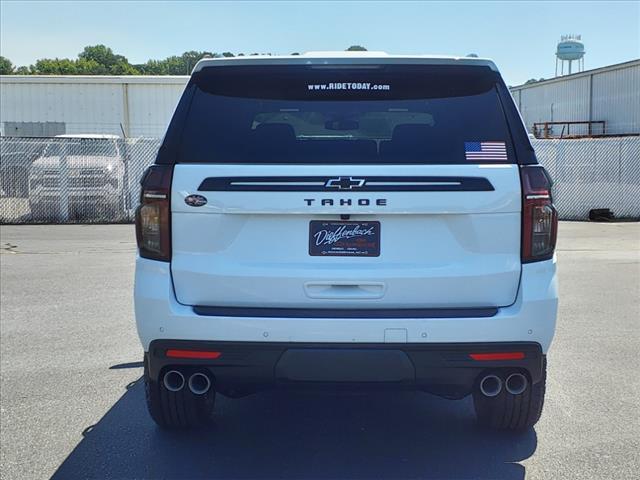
<point x="72" y="180"/>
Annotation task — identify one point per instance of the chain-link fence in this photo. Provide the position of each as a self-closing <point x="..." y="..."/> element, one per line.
<point x="593" y="173"/>
<point x="72" y="180"/>
<point x="81" y="180"/>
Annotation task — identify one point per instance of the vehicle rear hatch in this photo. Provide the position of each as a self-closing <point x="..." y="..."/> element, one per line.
<point x="379" y="187"/>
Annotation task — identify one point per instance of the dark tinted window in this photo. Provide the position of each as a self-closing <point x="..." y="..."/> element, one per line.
<point x="376" y="114"/>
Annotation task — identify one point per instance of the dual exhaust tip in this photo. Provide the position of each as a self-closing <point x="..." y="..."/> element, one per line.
<point x="492" y="385"/>
<point x="198" y="382"/>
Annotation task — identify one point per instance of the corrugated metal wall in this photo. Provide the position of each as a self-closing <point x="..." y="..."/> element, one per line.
<point x="562" y="101"/>
<point x="141" y="106"/>
<point x="151" y="107"/>
<point x="611" y="94"/>
<point x="616" y="99"/>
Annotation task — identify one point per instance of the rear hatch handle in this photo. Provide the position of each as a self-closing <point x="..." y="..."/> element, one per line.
<point x="345" y="290"/>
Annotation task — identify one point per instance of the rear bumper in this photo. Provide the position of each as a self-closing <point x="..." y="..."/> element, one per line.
<point x="531" y="318"/>
<point x="445" y="369"/>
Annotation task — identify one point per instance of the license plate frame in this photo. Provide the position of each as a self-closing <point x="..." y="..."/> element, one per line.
<point x="346" y="238"/>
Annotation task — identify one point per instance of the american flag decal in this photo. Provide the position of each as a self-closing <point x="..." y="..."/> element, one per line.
<point x="485" y="151"/>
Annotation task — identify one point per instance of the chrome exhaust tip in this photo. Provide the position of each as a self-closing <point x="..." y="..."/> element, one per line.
<point x="173" y="381"/>
<point x="516" y="383"/>
<point x="199" y="383"/>
<point x="491" y="385"/>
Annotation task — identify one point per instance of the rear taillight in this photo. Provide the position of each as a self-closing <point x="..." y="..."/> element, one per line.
<point x="153" y="216"/>
<point x="539" y="216"/>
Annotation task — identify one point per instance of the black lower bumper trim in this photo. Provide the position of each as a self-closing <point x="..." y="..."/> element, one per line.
<point x="445" y="369"/>
<point x="257" y="312"/>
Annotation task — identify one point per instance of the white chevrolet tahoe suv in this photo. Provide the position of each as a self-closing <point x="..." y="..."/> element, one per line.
<point x="338" y="220"/>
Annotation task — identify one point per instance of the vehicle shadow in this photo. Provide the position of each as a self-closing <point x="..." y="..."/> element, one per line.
<point x="302" y="435"/>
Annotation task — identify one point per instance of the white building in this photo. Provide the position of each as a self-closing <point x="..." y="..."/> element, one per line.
<point x="609" y="94"/>
<point x="136" y="106"/>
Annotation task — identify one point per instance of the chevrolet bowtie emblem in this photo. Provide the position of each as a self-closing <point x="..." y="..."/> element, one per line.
<point x="345" y="183"/>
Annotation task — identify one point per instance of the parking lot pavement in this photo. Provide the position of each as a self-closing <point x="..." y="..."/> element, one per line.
<point x="72" y="405"/>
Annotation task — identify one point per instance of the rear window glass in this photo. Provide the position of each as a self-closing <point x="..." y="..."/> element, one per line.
<point x="365" y="114"/>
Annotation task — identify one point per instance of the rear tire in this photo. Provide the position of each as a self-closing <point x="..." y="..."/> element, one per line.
<point x="180" y="409"/>
<point x="512" y="412"/>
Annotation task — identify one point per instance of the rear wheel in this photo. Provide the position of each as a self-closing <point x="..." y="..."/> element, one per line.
<point x="512" y="412"/>
<point x="181" y="409"/>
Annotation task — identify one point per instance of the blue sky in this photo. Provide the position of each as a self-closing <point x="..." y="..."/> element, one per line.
<point x="519" y="36"/>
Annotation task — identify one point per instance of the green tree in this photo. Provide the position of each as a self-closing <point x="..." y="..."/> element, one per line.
<point x="191" y="58"/>
<point x="6" y="67"/>
<point x="102" y="55"/>
<point x="106" y="62"/>
<point x="152" y="67"/>
<point x="123" y="68"/>
<point x="93" y="60"/>
<point x="176" y="65"/>
<point x="101" y="60"/>
<point x="356" y="48"/>
<point x="55" y="66"/>
<point x="88" y="67"/>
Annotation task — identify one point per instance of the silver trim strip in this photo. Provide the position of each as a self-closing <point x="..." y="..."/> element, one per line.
<point x="277" y="183"/>
<point x="413" y="183"/>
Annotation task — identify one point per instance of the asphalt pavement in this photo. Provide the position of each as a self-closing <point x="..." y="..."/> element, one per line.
<point x="72" y="403"/>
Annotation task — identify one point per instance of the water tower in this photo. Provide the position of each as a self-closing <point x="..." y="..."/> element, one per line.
<point x="570" y="49"/>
